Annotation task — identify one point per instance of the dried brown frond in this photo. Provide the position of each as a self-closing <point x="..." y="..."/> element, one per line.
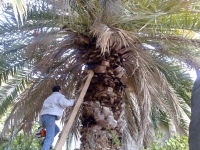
<point x="54" y="64"/>
<point x="185" y="49"/>
<point x="29" y="103"/>
<point x="147" y="87"/>
<point x="107" y="37"/>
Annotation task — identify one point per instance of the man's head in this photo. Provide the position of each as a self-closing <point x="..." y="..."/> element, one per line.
<point x="56" y="88"/>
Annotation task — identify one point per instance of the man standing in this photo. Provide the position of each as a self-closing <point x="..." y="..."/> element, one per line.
<point x="52" y="110"/>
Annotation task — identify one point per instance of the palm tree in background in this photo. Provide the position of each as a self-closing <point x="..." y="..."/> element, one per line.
<point x="137" y="49"/>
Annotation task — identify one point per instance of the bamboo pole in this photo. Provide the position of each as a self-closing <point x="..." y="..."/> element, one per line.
<point x="68" y="125"/>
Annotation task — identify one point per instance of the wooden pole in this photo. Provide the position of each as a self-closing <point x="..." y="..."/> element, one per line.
<point x="68" y="125"/>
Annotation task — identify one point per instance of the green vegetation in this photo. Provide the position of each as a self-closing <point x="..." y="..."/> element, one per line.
<point x="175" y="143"/>
<point x="114" y="138"/>
<point x="22" y="142"/>
<point x="138" y="50"/>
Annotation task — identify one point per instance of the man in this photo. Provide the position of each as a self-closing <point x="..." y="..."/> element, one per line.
<point x="52" y="110"/>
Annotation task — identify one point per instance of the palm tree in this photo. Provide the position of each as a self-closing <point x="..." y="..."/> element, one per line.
<point x="194" y="124"/>
<point x="137" y="49"/>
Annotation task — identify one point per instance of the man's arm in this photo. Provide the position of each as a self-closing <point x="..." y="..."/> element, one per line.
<point x="65" y="102"/>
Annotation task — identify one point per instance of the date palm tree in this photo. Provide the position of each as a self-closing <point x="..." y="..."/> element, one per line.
<point x="137" y="50"/>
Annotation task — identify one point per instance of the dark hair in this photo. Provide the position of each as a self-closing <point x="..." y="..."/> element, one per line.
<point x="56" y="88"/>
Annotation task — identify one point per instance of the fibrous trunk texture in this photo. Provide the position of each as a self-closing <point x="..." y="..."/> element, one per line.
<point x="194" y="128"/>
<point x="102" y="112"/>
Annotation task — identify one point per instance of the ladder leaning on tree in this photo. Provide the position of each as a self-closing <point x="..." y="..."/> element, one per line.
<point x="69" y="123"/>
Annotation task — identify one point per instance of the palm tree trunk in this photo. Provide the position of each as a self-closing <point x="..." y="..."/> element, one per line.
<point x="102" y="111"/>
<point x="194" y="128"/>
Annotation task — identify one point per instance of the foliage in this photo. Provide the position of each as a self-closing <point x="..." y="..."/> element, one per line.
<point x="146" y="38"/>
<point x="175" y="143"/>
<point x="178" y="143"/>
<point x="22" y="142"/>
<point x="114" y="138"/>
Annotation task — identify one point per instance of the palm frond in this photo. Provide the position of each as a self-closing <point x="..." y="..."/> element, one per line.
<point x="19" y="8"/>
<point x="148" y="87"/>
<point x="13" y="87"/>
<point x="51" y="69"/>
<point x="145" y="34"/>
<point x="178" y="78"/>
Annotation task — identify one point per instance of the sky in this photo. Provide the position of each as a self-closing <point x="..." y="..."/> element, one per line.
<point x="193" y="74"/>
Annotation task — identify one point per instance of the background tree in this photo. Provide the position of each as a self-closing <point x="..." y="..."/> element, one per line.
<point x="137" y="50"/>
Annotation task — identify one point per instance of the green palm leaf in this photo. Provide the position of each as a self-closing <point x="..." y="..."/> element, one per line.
<point x="152" y="41"/>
